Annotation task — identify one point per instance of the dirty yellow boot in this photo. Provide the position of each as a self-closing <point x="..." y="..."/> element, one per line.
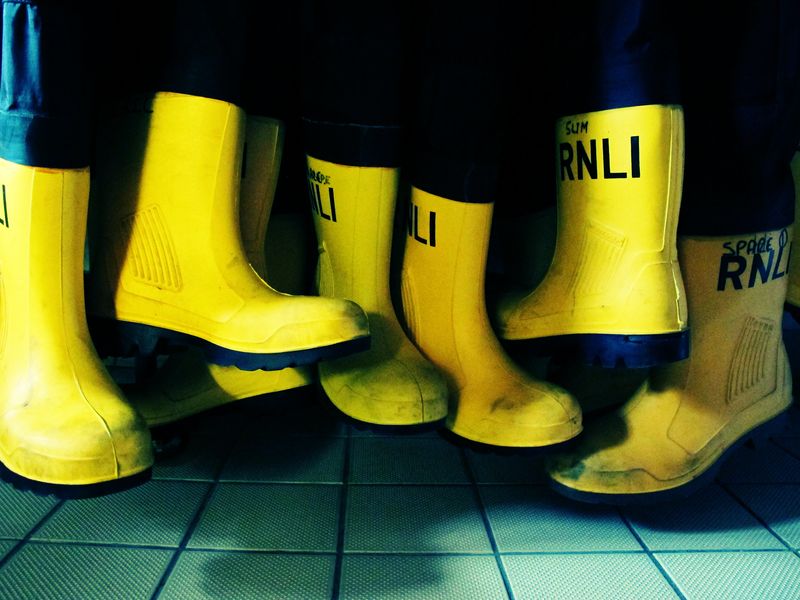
<point x="673" y="434"/>
<point x="354" y="212"/>
<point x="187" y="384"/>
<point x="63" y="419"/>
<point x="492" y="400"/>
<point x="168" y="251"/>
<point x="613" y="295"/>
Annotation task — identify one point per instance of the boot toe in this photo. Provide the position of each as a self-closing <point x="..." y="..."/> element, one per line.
<point x="78" y="448"/>
<point x="385" y="391"/>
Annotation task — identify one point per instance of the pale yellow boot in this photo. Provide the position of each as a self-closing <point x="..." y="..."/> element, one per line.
<point x="673" y="434"/>
<point x="613" y="295"/>
<point x="168" y="252"/>
<point x="354" y="212"/>
<point x="187" y="384"/>
<point x="63" y="419"/>
<point x="492" y="400"/>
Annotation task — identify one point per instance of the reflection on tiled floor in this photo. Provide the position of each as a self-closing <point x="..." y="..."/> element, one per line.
<point x="279" y="498"/>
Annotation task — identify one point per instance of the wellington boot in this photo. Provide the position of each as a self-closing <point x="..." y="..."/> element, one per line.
<point x="671" y="437"/>
<point x="613" y="295"/>
<point x="392" y="383"/>
<point x="169" y="252"/>
<point x="187" y="384"/>
<point x="793" y="290"/>
<point x="492" y="400"/>
<point x="63" y="419"/>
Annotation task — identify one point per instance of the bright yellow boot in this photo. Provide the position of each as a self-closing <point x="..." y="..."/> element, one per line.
<point x="63" y="420"/>
<point x="613" y="295"/>
<point x="168" y="251"/>
<point x="392" y="383"/>
<point x="673" y="434"/>
<point x="187" y="384"/>
<point x="492" y="401"/>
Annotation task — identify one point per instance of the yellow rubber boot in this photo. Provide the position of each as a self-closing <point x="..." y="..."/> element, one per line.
<point x="492" y="401"/>
<point x="187" y="384"/>
<point x="63" y="419"/>
<point x="169" y="253"/>
<point x="793" y="290"/>
<point x="673" y="434"/>
<point x="392" y="383"/>
<point x="613" y="295"/>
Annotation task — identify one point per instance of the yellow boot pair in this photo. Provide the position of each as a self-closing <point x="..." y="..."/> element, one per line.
<point x="445" y="363"/>
<point x="613" y="294"/>
<point x="614" y="289"/>
<point x="169" y="254"/>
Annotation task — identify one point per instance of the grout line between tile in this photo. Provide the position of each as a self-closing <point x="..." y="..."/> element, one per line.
<point x="85" y="544"/>
<point x="277" y="482"/>
<point x="337" y="567"/>
<point x="193" y="523"/>
<point x="486" y="523"/>
<point x="10" y="554"/>
<point x="651" y="556"/>
<point x="751" y="512"/>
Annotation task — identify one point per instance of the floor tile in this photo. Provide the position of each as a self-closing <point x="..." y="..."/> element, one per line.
<point x="369" y="577"/>
<point x="270" y="517"/>
<point x="55" y="572"/>
<point x="707" y="520"/>
<point x="21" y="510"/>
<point x="401" y="460"/>
<point x="734" y="575"/>
<point x="534" y="519"/>
<point x="511" y="468"/>
<point x="778" y="505"/>
<point x="287" y="460"/>
<point x="214" y="575"/>
<point x="595" y="576"/>
<point x="389" y="518"/>
<point x="198" y="460"/>
<point x="156" y="513"/>
<point x="767" y="463"/>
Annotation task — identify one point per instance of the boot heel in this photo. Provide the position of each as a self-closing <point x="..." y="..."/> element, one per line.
<point x="611" y="351"/>
<point x="633" y="351"/>
<point x="124" y="339"/>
